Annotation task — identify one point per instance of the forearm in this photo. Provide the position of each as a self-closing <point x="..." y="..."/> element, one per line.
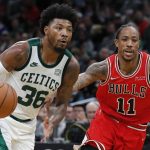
<point x="54" y="116"/>
<point x="58" y="114"/>
<point x="83" y="81"/>
<point x="79" y="84"/>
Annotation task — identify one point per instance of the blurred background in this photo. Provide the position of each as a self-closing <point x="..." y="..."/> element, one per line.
<point x="92" y="41"/>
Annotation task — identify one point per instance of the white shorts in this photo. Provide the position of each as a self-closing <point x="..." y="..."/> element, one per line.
<point x="17" y="135"/>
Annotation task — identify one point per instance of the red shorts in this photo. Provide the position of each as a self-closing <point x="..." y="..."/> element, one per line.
<point x="114" y="135"/>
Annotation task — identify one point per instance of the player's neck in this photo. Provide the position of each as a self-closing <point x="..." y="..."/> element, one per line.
<point x="48" y="55"/>
<point x="128" y="67"/>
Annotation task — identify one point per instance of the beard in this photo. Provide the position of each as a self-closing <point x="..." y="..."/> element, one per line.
<point x="59" y="50"/>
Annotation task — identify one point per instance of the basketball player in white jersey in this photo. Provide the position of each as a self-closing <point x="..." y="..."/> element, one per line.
<point x="38" y="68"/>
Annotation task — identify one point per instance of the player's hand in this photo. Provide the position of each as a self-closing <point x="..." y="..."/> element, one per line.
<point x="48" y="129"/>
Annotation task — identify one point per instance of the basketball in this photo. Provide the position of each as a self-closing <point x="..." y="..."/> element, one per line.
<point x="8" y="99"/>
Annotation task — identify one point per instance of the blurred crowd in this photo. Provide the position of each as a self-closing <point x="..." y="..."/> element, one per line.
<point x="92" y="41"/>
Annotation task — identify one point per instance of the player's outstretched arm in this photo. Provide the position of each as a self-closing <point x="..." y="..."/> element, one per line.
<point x="96" y="71"/>
<point x="64" y="93"/>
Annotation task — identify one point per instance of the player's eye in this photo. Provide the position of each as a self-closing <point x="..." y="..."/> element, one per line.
<point x="70" y="30"/>
<point x="58" y="28"/>
<point x="124" y="39"/>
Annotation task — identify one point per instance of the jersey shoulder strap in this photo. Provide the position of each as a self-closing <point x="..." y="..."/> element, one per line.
<point x="34" y="42"/>
<point x="68" y="53"/>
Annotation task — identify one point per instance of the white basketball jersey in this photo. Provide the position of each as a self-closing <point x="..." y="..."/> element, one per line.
<point x="36" y="80"/>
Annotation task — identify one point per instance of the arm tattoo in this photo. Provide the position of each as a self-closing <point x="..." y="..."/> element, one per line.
<point x="96" y="71"/>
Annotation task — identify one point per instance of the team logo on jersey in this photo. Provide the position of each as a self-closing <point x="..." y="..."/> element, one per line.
<point x="140" y="78"/>
<point x="34" y="64"/>
<point x="57" y="72"/>
<point x="114" y="78"/>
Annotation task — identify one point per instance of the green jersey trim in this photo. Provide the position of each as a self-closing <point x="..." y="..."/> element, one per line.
<point x="69" y="54"/>
<point x="57" y="61"/>
<point x="3" y="145"/>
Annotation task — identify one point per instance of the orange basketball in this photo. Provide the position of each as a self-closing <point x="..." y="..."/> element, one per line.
<point x="8" y="99"/>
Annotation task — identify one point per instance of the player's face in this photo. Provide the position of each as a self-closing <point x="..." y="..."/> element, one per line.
<point x="128" y="43"/>
<point x="59" y="34"/>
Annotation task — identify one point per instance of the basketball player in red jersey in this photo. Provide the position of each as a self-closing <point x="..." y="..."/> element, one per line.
<point x="123" y="93"/>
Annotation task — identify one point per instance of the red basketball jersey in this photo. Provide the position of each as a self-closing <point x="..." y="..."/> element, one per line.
<point x="126" y="98"/>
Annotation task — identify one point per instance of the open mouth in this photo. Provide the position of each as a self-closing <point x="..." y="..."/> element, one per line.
<point x="64" y="42"/>
<point x="128" y="53"/>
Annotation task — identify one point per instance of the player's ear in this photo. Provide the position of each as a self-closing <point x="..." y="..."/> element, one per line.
<point x="46" y="30"/>
<point x="116" y="42"/>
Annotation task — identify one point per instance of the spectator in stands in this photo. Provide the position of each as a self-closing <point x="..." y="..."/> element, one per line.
<point x="103" y="53"/>
<point x="79" y="113"/>
<point x="108" y="39"/>
<point x="76" y="130"/>
<point x="5" y="40"/>
<point x="91" y="109"/>
<point x="141" y="21"/>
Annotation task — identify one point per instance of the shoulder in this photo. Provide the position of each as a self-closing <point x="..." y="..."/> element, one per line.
<point x="20" y="49"/>
<point x="73" y="66"/>
<point x="73" y="63"/>
<point x="18" y="52"/>
<point x="72" y="71"/>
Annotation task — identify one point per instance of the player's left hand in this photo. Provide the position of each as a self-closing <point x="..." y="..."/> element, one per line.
<point x="48" y="129"/>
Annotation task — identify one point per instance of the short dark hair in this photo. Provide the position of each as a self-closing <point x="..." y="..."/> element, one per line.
<point x="124" y="26"/>
<point x="61" y="11"/>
